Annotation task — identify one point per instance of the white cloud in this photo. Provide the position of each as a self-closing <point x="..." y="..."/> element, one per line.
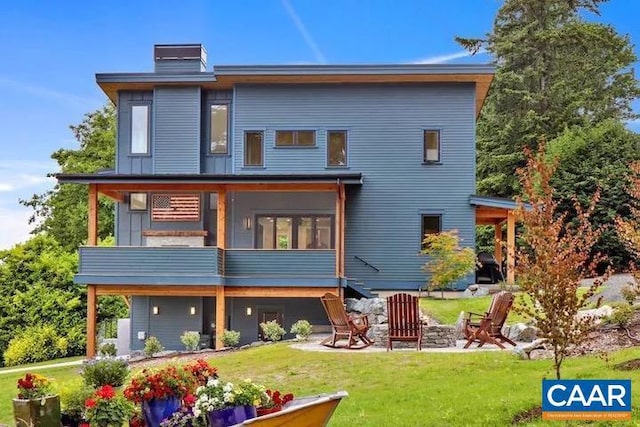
<point x="441" y="59"/>
<point x="14" y="226"/>
<point x="306" y="35"/>
<point x="16" y="175"/>
<point x="5" y="187"/>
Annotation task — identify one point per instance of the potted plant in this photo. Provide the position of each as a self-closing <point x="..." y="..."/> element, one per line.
<point x="184" y="417"/>
<point x="72" y="399"/>
<point x="159" y="391"/>
<point x="273" y="401"/>
<point x="201" y="371"/>
<point x="105" y="409"/>
<point x="36" y="404"/>
<point x="225" y="404"/>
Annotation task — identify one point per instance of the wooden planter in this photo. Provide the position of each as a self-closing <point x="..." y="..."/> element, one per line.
<point x="43" y="412"/>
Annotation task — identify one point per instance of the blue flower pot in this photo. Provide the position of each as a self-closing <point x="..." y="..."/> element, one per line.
<point x="231" y="416"/>
<point x="156" y="410"/>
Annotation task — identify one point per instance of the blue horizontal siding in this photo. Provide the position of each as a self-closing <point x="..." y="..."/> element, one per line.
<point x="148" y="265"/>
<point x="294" y="263"/>
<point x="176" y="133"/>
<point x="385" y="125"/>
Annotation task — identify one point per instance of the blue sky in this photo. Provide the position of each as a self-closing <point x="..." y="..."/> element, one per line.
<point x="53" y="49"/>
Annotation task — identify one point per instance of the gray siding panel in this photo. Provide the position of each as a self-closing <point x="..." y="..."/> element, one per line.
<point x="172" y="320"/>
<point x="179" y="66"/>
<point x="152" y="263"/>
<point x="385" y="125"/>
<point x="176" y="135"/>
<point x="216" y="163"/>
<point x="293" y="309"/>
<point x="273" y="263"/>
<point x="244" y="204"/>
<point x="125" y="162"/>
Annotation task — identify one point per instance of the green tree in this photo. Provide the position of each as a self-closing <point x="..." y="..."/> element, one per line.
<point x="597" y="158"/>
<point x="448" y="262"/>
<point x="62" y="212"/>
<point x="554" y="70"/>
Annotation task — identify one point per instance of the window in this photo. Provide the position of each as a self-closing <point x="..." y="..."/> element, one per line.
<point x="138" y="201"/>
<point x="175" y="207"/>
<point x="294" y="232"/>
<point x="140" y="129"/>
<point x="295" y="138"/>
<point x="431" y="224"/>
<point x="337" y="148"/>
<point x="431" y="149"/>
<point x="218" y="128"/>
<point x="253" y="148"/>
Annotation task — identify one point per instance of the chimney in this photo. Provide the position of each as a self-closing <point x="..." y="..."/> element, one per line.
<point x="179" y="58"/>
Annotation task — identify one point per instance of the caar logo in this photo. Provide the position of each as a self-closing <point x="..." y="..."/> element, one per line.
<point x="586" y="399"/>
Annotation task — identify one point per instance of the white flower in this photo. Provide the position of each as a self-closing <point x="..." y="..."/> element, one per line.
<point x="196" y="412"/>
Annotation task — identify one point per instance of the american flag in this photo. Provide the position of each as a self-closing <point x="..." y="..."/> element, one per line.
<point x="175" y="207"/>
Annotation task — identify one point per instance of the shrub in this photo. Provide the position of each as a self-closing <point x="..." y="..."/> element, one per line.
<point x="272" y="330"/>
<point x="448" y="262"/>
<point x="109" y="371"/>
<point x="621" y="316"/>
<point x="191" y="340"/>
<point x="72" y="399"/>
<point x="302" y="329"/>
<point x="152" y="346"/>
<point x="35" y="344"/>
<point x="230" y="338"/>
<point x="108" y="349"/>
<point x="630" y="292"/>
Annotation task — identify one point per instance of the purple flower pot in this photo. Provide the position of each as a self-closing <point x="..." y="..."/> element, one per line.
<point x="230" y="416"/>
<point x="156" y="410"/>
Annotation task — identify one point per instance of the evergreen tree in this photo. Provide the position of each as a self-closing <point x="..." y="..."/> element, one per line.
<point x="554" y="70"/>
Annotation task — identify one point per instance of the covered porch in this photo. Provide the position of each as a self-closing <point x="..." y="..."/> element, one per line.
<point x="496" y="211"/>
<point x="217" y="269"/>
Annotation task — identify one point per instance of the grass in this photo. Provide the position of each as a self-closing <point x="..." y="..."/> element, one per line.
<point x="397" y="388"/>
<point x="49" y="362"/>
<point x="447" y="310"/>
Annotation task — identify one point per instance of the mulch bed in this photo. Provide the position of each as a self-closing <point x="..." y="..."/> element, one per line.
<point x="527" y="416"/>
<point x="629" y="365"/>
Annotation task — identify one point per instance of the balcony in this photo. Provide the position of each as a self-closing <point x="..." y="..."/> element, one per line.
<point x="280" y="267"/>
<point x="141" y="265"/>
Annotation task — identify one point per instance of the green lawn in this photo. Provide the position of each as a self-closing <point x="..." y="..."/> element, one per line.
<point x="397" y="388"/>
<point x="447" y="310"/>
<point x="49" y="362"/>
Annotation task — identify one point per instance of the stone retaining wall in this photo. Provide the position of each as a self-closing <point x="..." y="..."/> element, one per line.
<point x="433" y="335"/>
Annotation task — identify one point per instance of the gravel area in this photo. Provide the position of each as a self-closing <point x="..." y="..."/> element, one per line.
<point x="611" y="288"/>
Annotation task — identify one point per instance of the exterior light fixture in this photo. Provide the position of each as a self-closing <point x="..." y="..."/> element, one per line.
<point x="192" y="310"/>
<point x="247" y="223"/>
<point x="155" y="309"/>
<point x="249" y="311"/>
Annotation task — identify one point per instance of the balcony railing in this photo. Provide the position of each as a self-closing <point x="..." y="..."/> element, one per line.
<point x="280" y="263"/>
<point x="150" y="265"/>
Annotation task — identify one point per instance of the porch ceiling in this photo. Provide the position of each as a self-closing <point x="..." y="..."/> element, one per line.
<point x="492" y="210"/>
<point x="115" y="185"/>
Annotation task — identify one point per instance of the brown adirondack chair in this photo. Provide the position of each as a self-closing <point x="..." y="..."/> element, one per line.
<point x="487" y="327"/>
<point x="350" y="327"/>
<point x="404" y="320"/>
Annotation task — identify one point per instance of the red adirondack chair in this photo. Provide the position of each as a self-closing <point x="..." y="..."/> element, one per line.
<point x="405" y="324"/>
<point x="344" y="326"/>
<point x="488" y="326"/>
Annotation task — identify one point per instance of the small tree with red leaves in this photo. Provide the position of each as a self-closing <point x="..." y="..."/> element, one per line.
<point x="554" y="257"/>
<point x="629" y="228"/>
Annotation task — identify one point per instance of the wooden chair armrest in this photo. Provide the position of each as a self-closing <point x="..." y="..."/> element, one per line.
<point x="469" y="314"/>
<point x="359" y="319"/>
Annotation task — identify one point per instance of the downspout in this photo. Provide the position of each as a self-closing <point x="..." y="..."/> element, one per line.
<point x="340" y="290"/>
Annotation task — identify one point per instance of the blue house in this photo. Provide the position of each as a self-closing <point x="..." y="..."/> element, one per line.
<point x="247" y="192"/>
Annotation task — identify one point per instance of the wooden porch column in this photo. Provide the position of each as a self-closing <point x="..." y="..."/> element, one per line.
<point x="343" y="220"/>
<point x="221" y="236"/>
<point x="220" y="315"/>
<point x="511" y="246"/>
<point x="498" y="242"/>
<point x="92" y="240"/>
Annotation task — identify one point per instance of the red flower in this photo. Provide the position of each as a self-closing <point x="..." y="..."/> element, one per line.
<point x="84" y="425"/>
<point x="189" y="400"/>
<point x="106" y="392"/>
<point x="90" y="403"/>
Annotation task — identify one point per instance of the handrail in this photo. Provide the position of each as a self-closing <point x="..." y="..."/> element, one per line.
<point x="366" y="263"/>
